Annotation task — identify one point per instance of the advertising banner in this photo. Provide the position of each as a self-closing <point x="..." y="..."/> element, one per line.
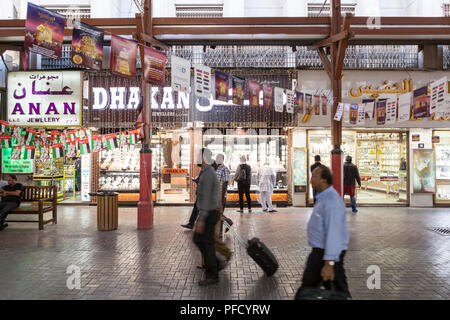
<point x="181" y="74"/>
<point x="267" y="96"/>
<point x="238" y="85"/>
<point x="123" y="56"/>
<point x="324" y="105"/>
<point x="278" y="99"/>
<point x="87" y="45"/>
<point x="391" y="110"/>
<point x="404" y="107"/>
<point x="44" y="98"/>
<point x="438" y="98"/>
<point x="155" y="66"/>
<point x="421" y="103"/>
<point x="290" y="95"/>
<point x="222" y="85"/>
<point x="299" y="101"/>
<point x="44" y="31"/>
<point x="253" y="93"/>
<point x="381" y="112"/>
<point x="317" y="105"/>
<point x="202" y="81"/>
<point x="353" y="113"/>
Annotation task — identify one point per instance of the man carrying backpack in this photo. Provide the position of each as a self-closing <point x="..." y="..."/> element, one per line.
<point x="243" y="178"/>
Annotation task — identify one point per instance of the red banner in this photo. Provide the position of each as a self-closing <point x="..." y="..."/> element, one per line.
<point x="123" y="56"/>
<point x="155" y="66"/>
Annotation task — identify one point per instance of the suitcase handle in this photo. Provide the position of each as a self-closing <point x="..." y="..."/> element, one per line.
<point x="237" y="236"/>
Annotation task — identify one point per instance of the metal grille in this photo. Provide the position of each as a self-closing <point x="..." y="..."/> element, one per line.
<point x="446" y="53"/>
<point x="72" y="12"/>
<point x="198" y="11"/>
<point x="443" y="231"/>
<point x="357" y="57"/>
<point x="446" y="9"/>
<point x="315" y="8"/>
<point x="64" y="63"/>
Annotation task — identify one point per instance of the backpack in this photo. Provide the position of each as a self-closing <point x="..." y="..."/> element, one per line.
<point x="242" y="176"/>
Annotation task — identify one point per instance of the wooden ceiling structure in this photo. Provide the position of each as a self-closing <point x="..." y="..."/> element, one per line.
<point x="260" y="31"/>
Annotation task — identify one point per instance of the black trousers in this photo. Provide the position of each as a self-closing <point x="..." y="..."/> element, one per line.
<point x="314" y="265"/>
<point x="6" y="208"/>
<point x="205" y="243"/>
<point x="244" y="187"/>
<point x="194" y="215"/>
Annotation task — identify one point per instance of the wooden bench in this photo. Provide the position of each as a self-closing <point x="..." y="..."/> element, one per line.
<point x="42" y="199"/>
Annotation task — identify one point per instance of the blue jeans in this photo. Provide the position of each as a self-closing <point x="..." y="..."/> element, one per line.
<point x="353" y="203"/>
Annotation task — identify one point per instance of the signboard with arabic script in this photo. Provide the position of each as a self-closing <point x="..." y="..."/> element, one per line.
<point x="44" y="98"/>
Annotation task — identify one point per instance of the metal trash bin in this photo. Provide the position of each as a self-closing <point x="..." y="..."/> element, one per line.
<point x="107" y="210"/>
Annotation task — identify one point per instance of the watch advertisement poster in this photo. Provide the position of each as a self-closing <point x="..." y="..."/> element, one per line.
<point x="421" y="103"/>
<point x="381" y="112"/>
<point x="123" y="56"/>
<point x="222" y="85"/>
<point x="87" y="45"/>
<point x="44" y="31"/>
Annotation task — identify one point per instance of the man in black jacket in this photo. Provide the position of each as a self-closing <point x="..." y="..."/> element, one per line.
<point x="351" y="174"/>
<point x="244" y="184"/>
<point x="313" y="166"/>
<point x="11" y="198"/>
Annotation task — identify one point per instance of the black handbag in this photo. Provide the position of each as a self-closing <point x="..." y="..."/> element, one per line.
<point x="320" y="293"/>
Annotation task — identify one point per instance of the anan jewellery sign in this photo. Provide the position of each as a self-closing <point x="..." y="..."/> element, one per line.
<point x="45" y="98"/>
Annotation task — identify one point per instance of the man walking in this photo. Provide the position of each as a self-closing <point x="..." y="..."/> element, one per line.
<point x="10" y="198"/>
<point x="208" y="204"/>
<point x="327" y="235"/>
<point x="313" y="166"/>
<point x="351" y="174"/>
<point x="266" y="181"/>
<point x="243" y="178"/>
<point x="223" y="175"/>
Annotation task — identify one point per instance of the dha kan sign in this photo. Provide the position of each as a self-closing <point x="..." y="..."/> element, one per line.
<point x="44" y="98"/>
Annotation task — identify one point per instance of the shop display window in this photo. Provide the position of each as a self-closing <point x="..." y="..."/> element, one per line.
<point x="381" y="158"/>
<point x="119" y="168"/>
<point x="257" y="147"/>
<point x="442" y="152"/>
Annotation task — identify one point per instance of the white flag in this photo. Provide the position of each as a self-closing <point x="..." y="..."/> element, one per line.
<point x="181" y="74"/>
<point x="404" y="106"/>
<point x="339" y="111"/>
<point x="202" y="81"/>
<point x="290" y="95"/>
<point x="278" y="99"/>
<point x="361" y="114"/>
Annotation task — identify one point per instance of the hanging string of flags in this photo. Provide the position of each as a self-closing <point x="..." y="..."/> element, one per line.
<point x="58" y="144"/>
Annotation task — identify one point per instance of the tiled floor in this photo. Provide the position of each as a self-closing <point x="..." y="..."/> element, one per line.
<point x="160" y="263"/>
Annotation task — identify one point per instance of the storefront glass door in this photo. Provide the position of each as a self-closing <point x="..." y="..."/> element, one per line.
<point x="381" y="158"/>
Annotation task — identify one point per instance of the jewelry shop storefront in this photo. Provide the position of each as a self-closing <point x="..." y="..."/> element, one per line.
<point x="401" y="160"/>
<point x="181" y="125"/>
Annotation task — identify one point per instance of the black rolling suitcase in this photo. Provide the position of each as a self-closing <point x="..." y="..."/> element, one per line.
<point x="259" y="253"/>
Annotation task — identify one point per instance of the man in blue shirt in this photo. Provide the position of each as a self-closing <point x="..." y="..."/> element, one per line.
<point x="327" y="235"/>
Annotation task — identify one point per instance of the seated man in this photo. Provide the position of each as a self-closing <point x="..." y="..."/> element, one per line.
<point x="10" y="198"/>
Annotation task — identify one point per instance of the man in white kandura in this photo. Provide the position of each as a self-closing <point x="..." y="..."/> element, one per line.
<point x="266" y="181"/>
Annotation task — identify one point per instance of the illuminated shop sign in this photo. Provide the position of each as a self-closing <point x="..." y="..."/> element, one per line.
<point x="123" y="98"/>
<point x="44" y="98"/>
